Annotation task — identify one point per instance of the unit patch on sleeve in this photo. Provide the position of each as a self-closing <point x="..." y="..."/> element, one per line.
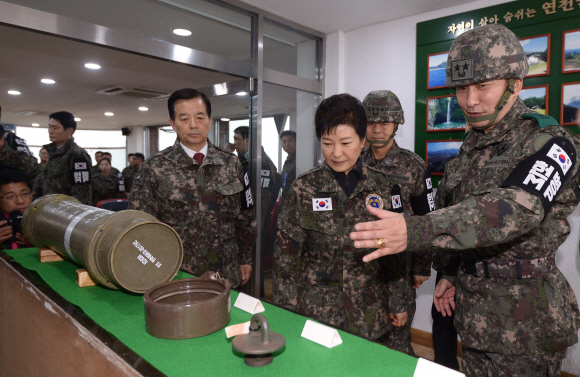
<point x="546" y="171"/>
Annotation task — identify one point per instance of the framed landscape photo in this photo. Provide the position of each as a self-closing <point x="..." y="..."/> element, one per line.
<point x="570" y="110"/>
<point x="537" y="51"/>
<point x="536" y="98"/>
<point x="444" y="114"/>
<point x="438" y="152"/>
<point x="571" y="51"/>
<point x="436" y="63"/>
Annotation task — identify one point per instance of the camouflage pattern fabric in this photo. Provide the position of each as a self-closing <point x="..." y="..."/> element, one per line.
<point x="477" y="363"/>
<point x="58" y="173"/>
<point x="383" y="106"/>
<point x="406" y="169"/>
<point x="507" y="316"/>
<point x="106" y="188"/>
<point x="203" y="205"/>
<point x="288" y="174"/>
<point x="317" y="270"/>
<point x="486" y="53"/>
<point x="10" y="158"/>
<point x="129" y="175"/>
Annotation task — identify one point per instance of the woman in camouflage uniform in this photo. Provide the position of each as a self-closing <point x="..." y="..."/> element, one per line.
<point x="317" y="270"/>
<point x="106" y="185"/>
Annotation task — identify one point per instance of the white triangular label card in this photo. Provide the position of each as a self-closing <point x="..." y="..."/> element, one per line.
<point x="426" y="368"/>
<point x="323" y="335"/>
<point x="249" y="304"/>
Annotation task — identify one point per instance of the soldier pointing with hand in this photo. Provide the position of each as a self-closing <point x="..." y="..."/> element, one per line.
<point x="513" y="185"/>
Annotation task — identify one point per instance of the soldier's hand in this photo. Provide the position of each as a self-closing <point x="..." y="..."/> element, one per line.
<point x="399" y="319"/>
<point x="5" y="231"/>
<point x="418" y="280"/>
<point x="391" y="227"/>
<point x="444" y="297"/>
<point x="20" y="239"/>
<point x="246" y="272"/>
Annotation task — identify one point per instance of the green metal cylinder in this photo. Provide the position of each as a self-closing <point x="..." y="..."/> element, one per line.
<point x="127" y="249"/>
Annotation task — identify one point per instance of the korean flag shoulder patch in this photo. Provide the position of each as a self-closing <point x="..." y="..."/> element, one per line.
<point x="81" y="171"/>
<point x="545" y="172"/>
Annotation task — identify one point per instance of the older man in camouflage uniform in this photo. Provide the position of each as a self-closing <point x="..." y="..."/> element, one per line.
<point x="317" y="271"/>
<point x="197" y="188"/>
<point x="508" y="201"/>
<point x="411" y="185"/>
<point x="68" y="170"/>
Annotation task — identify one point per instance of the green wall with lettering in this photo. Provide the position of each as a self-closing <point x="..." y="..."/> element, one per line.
<point x="544" y="25"/>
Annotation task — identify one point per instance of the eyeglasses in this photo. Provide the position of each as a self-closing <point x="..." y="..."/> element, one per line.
<point x="12" y="197"/>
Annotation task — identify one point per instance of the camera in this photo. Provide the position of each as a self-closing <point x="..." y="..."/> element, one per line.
<point x="15" y="221"/>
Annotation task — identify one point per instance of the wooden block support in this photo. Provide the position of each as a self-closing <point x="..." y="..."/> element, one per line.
<point x="47" y="255"/>
<point x="83" y="279"/>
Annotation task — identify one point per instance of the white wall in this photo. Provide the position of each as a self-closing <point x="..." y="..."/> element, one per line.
<point x="383" y="56"/>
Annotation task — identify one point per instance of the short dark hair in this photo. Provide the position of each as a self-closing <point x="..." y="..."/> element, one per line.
<point x="186" y="94"/>
<point x="65" y="118"/>
<point x="13" y="175"/>
<point x="106" y="153"/>
<point x="105" y="159"/>
<point x="288" y="133"/>
<point x="244" y="131"/>
<point x="139" y="155"/>
<point x="130" y="154"/>
<point x="340" y="109"/>
<point x="101" y="152"/>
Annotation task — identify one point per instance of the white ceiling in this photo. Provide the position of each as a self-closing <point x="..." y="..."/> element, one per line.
<point x="329" y="16"/>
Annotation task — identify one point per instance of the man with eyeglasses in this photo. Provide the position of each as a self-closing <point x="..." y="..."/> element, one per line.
<point x="15" y="197"/>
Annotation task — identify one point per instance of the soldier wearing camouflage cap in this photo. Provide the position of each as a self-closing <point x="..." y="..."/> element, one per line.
<point x="507" y="199"/>
<point x="412" y="184"/>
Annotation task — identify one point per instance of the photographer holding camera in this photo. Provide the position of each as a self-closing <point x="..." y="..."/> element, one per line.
<point x="15" y="197"/>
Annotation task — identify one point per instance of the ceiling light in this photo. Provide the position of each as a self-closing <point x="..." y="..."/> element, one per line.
<point x="35" y="125"/>
<point x="47" y="81"/>
<point x="14" y="92"/>
<point x="225" y="119"/>
<point x="92" y="66"/>
<point x="143" y="108"/>
<point x="182" y="32"/>
<point x="109" y="114"/>
<point x="77" y="119"/>
<point x="241" y="93"/>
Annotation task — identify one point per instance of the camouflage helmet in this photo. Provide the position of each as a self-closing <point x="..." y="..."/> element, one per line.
<point x="486" y="53"/>
<point x="383" y="106"/>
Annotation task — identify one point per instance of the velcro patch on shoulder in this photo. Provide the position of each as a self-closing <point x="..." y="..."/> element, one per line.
<point x="545" y="172"/>
<point x="81" y="171"/>
<point x="543" y="120"/>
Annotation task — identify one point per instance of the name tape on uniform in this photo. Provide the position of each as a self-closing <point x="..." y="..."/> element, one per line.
<point x="322" y="204"/>
<point x="249" y="304"/>
<point x="323" y="335"/>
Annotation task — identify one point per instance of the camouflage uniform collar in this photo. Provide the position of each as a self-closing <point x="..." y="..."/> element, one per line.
<point x="391" y="156"/>
<point x="181" y="158"/>
<point x="328" y="182"/>
<point x="479" y="139"/>
<point x="53" y="150"/>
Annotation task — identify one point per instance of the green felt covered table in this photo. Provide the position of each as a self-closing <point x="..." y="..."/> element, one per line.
<point x="122" y="314"/>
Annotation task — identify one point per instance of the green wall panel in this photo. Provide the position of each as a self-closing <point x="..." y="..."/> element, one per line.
<point x="434" y="37"/>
